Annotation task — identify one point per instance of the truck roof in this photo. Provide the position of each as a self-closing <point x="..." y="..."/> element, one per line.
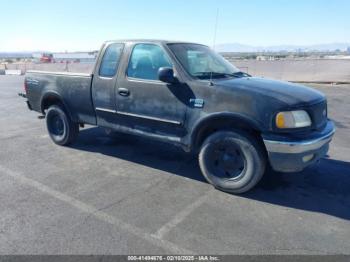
<point x="157" y="41"/>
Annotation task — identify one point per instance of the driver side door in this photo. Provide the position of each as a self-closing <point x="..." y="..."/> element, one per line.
<point x="143" y="102"/>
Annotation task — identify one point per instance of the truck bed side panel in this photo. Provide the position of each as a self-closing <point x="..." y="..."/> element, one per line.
<point x="73" y="89"/>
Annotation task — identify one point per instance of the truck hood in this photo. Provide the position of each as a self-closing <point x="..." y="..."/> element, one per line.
<point x="288" y="93"/>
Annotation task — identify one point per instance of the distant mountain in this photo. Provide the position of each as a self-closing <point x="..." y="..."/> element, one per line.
<point x="229" y="47"/>
<point x="236" y="47"/>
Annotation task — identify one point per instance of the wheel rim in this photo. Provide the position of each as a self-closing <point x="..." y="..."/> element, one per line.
<point x="56" y="125"/>
<point x="227" y="161"/>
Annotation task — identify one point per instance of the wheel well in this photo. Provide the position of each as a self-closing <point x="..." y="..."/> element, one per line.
<point x="49" y="101"/>
<point x="225" y="123"/>
<point x="54" y="100"/>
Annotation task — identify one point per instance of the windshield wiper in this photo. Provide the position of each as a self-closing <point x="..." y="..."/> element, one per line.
<point x="208" y="75"/>
<point x="240" y="74"/>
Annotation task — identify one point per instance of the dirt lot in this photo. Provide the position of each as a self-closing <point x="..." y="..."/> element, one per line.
<point x="126" y="195"/>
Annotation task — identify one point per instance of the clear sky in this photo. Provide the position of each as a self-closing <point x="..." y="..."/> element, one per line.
<point x="84" y="24"/>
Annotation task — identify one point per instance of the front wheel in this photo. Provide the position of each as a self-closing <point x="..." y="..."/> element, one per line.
<point x="62" y="130"/>
<point x="232" y="161"/>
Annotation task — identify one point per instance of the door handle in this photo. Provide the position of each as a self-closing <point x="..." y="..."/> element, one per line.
<point x="123" y="91"/>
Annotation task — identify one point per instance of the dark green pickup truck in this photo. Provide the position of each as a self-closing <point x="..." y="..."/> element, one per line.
<point x="187" y="95"/>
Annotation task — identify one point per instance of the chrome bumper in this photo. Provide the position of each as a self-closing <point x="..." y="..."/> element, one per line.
<point x="300" y="146"/>
<point x="287" y="154"/>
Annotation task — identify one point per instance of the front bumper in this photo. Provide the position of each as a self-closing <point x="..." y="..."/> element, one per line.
<point x="293" y="154"/>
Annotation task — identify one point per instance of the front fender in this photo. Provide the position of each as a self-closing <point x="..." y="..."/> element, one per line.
<point x="223" y="119"/>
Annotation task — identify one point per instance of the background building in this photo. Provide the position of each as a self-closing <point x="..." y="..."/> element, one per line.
<point x="72" y="57"/>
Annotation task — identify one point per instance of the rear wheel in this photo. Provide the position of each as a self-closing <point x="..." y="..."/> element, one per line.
<point x="62" y="130"/>
<point x="232" y="161"/>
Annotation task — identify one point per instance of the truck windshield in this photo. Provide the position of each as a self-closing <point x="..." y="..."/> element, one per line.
<point x="203" y="63"/>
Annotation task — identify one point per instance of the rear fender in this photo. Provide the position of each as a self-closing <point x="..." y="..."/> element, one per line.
<point x="51" y="98"/>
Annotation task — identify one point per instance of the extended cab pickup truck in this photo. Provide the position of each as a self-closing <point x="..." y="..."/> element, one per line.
<point x="188" y="95"/>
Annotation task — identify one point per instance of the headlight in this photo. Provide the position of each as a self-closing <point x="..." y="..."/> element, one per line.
<point x="293" y="119"/>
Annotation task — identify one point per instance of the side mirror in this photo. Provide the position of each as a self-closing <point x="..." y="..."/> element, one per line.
<point x="166" y="74"/>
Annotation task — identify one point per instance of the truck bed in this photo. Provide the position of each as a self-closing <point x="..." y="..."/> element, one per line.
<point x="73" y="88"/>
<point x="59" y="73"/>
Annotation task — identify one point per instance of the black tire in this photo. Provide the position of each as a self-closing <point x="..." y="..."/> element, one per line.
<point x="62" y="130"/>
<point x="232" y="161"/>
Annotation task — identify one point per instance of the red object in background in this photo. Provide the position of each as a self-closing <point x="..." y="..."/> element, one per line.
<point x="46" y="58"/>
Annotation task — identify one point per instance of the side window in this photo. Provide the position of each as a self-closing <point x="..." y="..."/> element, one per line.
<point x="145" y="61"/>
<point x="110" y="60"/>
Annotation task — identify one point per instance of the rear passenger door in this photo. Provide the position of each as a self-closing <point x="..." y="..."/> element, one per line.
<point x="143" y="101"/>
<point x="104" y="81"/>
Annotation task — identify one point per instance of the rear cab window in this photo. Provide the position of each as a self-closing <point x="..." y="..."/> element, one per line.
<point x="110" y="60"/>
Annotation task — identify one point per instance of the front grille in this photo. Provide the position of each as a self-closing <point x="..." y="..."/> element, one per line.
<point x="318" y="114"/>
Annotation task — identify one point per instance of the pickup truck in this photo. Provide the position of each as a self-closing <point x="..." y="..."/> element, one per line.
<point x="188" y="95"/>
